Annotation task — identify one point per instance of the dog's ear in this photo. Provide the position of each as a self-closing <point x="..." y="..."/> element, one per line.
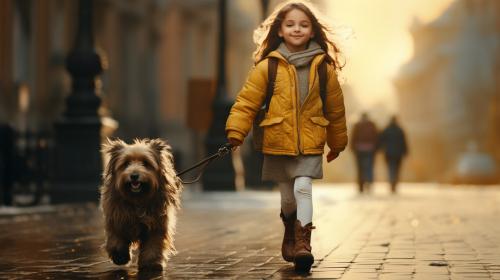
<point x="172" y="182"/>
<point x="162" y="148"/>
<point x="111" y="146"/>
<point x="110" y="151"/>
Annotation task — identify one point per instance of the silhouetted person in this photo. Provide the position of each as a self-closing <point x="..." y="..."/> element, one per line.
<point x="364" y="145"/>
<point x="393" y="143"/>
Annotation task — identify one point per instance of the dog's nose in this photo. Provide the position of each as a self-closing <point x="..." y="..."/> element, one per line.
<point x="134" y="177"/>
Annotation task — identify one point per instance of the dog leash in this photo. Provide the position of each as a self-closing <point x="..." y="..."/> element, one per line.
<point x="224" y="150"/>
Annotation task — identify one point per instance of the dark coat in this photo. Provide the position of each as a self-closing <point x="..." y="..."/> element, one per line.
<point x="364" y="136"/>
<point x="393" y="141"/>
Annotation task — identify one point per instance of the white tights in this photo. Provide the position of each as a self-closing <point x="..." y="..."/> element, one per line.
<point x="297" y="195"/>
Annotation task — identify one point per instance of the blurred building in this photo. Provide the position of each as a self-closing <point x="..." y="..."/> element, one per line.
<point x="449" y="92"/>
<point x="156" y="54"/>
<point x="151" y="51"/>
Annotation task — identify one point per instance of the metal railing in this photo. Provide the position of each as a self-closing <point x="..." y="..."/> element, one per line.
<point x="25" y="166"/>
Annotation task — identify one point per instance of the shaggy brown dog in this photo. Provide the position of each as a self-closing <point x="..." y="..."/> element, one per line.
<point x="140" y="195"/>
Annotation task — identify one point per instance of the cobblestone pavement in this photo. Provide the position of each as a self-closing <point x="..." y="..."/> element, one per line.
<point x="424" y="232"/>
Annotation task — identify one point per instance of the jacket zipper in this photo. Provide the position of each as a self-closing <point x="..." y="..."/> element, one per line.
<point x="298" y="109"/>
<point x="297" y="102"/>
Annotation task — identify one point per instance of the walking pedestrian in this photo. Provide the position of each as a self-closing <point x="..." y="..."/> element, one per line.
<point x="299" y="120"/>
<point x="393" y="143"/>
<point x="364" y="146"/>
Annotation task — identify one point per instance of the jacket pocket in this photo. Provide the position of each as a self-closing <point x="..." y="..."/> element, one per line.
<point x="271" y="121"/>
<point x="273" y="132"/>
<point x="319" y="130"/>
<point x="321" y="121"/>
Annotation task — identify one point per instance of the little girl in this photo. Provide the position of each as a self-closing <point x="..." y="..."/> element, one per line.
<point x="297" y="123"/>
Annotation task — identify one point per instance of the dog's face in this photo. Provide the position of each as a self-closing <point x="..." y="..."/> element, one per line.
<point x="140" y="194"/>
<point x="137" y="169"/>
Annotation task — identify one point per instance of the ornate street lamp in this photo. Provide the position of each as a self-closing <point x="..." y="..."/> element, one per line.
<point x="220" y="174"/>
<point x="78" y="164"/>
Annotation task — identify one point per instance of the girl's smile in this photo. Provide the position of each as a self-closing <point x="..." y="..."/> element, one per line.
<point x="296" y="30"/>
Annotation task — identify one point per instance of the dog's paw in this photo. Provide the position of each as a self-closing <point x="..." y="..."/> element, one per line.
<point x="151" y="267"/>
<point x="120" y="257"/>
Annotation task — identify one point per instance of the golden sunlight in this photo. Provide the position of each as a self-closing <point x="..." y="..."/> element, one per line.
<point x="381" y="42"/>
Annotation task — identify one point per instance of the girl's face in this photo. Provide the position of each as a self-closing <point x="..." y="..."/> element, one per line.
<point x="296" y="30"/>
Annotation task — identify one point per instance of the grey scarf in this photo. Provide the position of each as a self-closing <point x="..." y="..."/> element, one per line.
<point x="302" y="62"/>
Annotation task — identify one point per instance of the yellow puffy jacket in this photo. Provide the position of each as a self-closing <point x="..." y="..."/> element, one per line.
<point x="288" y="128"/>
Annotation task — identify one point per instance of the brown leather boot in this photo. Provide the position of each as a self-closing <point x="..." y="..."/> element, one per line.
<point x="303" y="258"/>
<point x="288" y="245"/>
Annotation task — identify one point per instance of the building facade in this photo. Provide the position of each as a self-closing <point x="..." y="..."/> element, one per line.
<point x="449" y="91"/>
<point x="150" y="51"/>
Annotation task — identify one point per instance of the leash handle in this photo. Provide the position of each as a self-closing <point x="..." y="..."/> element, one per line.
<point x="222" y="151"/>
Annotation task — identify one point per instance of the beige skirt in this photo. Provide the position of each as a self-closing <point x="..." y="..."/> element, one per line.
<point x="286" y="168"/>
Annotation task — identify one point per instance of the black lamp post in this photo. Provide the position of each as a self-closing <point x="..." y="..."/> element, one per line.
<point x="253" y="161"/>
<point x="264" y="5"/>
<point x="78" y="164"/>
<point x="220" y="174"/>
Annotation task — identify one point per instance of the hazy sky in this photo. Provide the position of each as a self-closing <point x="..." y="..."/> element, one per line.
<point x="382" y="42"/>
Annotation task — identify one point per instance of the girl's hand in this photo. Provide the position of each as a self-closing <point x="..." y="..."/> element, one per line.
<point x="234" y="142"/>
<point x="331" y="156"/>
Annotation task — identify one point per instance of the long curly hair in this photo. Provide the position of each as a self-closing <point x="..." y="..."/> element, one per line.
<point x="267" y="39"/>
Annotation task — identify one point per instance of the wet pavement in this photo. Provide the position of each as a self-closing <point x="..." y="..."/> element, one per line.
<point x="425" y="232"/>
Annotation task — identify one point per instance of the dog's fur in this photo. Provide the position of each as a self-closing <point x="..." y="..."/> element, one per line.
<point x="140" y="195"/>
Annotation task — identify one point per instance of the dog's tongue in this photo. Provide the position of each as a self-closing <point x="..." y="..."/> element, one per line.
<point x="136" y="184"/>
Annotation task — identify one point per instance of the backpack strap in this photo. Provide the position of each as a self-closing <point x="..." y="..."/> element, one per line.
<point x="322" y="84"/>
<point x="272" y="68"/>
